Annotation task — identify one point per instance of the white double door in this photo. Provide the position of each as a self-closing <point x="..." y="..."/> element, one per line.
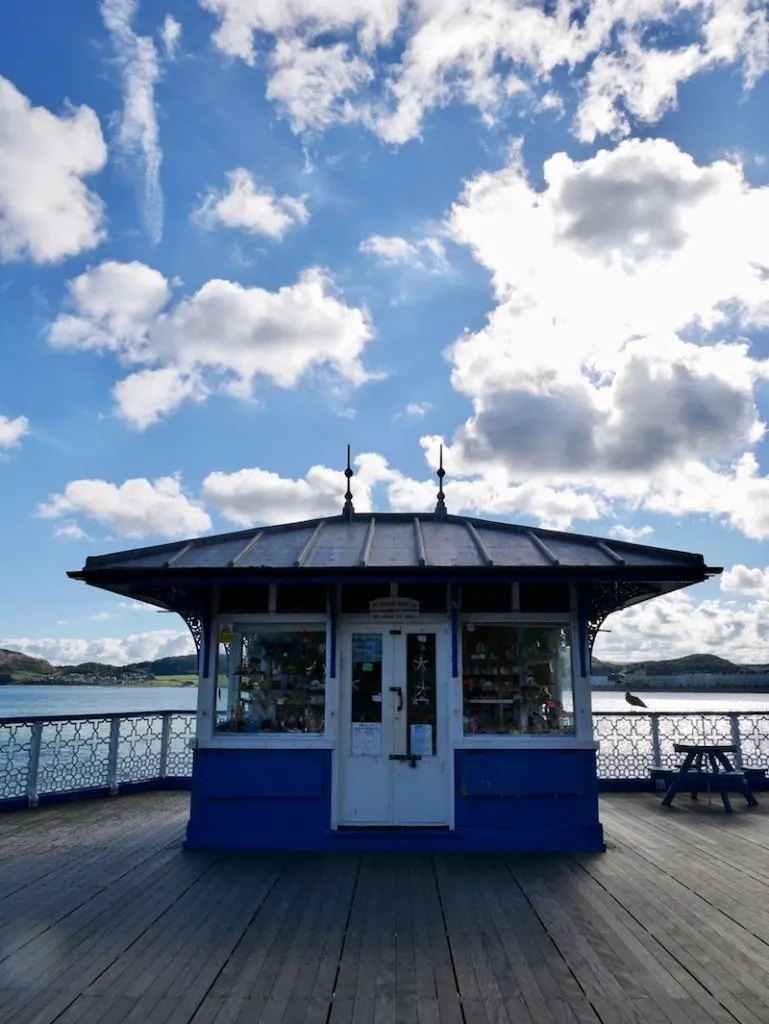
<point x="394" y="767"/>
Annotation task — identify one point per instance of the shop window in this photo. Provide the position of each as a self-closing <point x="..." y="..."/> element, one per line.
<point x="516" y="680"/>
<point x="356" y="596"/>
<point x="302" y="600"/>
<point x="271" y="680"/>
<point x="432" y="597"/>
<point x="249" y="597"/>
<point x="545" y="597"/>
<point x="486" y="597"/>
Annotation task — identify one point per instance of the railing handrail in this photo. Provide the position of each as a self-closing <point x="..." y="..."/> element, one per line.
<point x="105" y="715"/>
<point x="668" y="714"/>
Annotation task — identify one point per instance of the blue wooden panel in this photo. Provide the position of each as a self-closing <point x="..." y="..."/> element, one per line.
<point x="490" y="773"/>
<point x="266" y="774"/>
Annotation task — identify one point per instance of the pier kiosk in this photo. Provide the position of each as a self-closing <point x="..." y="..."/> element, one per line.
<point x="389" y="681"/>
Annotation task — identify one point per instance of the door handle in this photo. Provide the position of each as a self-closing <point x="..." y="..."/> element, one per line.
<point x="399" y="691"/>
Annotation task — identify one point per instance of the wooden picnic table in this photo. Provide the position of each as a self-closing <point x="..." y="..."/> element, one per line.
<point x="707" y="766"/>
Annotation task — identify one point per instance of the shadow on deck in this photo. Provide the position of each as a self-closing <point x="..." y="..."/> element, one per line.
<point x="103" y="918"/>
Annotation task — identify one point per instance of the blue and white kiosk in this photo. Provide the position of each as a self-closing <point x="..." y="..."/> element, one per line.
<point x="390" y="681"/>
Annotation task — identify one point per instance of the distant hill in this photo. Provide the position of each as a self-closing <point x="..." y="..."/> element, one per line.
<point x="16" y="667"/>
<point x="689" y="664"/>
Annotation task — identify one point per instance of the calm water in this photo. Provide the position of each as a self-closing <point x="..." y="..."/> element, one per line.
<point x="86" y="700"/>
<point x="93" y="700"/>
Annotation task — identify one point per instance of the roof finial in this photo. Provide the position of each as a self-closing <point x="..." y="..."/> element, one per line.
<point x="348" y="511"/>
<point x="440" y="508"/>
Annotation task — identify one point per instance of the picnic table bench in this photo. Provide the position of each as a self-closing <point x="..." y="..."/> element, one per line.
<point x="707" y="767"/>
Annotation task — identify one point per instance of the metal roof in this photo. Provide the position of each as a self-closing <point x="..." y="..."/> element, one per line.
<point x="394" y="541"/>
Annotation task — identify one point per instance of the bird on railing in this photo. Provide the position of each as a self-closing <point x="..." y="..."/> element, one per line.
<point x="635" y="701"/>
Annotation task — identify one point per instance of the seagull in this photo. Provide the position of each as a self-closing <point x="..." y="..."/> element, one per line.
<point x="635" y="701"/>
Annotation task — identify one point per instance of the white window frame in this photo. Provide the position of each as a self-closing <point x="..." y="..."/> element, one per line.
<point x="581" y="738"/>
<point x="210" y="738"/>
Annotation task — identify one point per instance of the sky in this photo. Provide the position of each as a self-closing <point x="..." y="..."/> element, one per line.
<point x="238" y="235"/>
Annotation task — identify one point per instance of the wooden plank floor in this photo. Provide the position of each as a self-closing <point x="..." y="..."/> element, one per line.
<point x="104" y="919"/>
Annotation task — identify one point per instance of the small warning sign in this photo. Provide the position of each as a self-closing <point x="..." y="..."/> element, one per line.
<point x="225" y="635"/>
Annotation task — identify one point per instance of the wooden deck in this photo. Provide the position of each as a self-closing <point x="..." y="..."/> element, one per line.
<point x="103" y="918"/>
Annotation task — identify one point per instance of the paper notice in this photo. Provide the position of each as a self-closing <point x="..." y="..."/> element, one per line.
<point x="366" y="739"/>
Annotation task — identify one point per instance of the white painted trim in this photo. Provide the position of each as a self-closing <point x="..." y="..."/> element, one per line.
<point x="552" y="741"/>
<point x="257" y="741"/>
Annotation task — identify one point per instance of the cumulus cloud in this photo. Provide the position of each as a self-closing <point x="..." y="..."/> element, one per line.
<point x="138" y="135"/>
<point x="170" y="34"/>
<point x="604" y="362"/>
<point x="147" y="646"/>
<point x="257" y="210"/>
<point x="630" y="533"/>
<point x="485" y="56"/>
<point x="741" y="579"/>
<point x="257" y="496"/>
<point x="12" y="431"/>
<point x="136" y="508"/>
<point x="222" y="338"/>
<point x="678" y="624"/>
<point x="428" y="255"/>
<point x="46" y="210"/>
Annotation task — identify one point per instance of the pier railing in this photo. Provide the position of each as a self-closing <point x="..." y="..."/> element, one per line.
<point x="631" y="742"/>
<point x="45" y="756"/>
<point x="42" y="757"/>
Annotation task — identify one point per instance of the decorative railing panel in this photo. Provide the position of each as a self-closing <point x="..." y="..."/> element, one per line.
<point x="41" y="756"/>
<point x="630" y="743"/>
<point x="60" y="754"/>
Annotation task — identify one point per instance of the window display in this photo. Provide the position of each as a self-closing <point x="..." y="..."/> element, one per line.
<point x="274" y="681"/>
<point x="517" y="679"/>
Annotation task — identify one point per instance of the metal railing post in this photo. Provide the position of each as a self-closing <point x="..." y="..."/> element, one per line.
<point x="734" y="719"/>
<point x="33" y="764"/>
<point x="656" y="749"/>
<point x="114" y="743"/>
<point x="165" y="741"/>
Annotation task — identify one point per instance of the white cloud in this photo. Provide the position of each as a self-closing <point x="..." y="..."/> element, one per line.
<point x="99" y="617"/>
<point x="252" y="496"/>
<point x="257" y="210"/>
<point x="148" y="646"/>
<point x="170" y="34"/>
<point x="374" y="21"/>
<point x="138" y="135"/>
<point x="46" y="211"/>
<point x="630" y="533"/>
<point x="136" y="508"/>
<point x="310" y="84"/>
<point x="70" y="531"/>
<point x="428" y="254"/>
<point x="677" y="624"/>
<point x="742" y="580"/>
<point x="603" y="364"/>
<point x="485" y="55"/>
<point x="12" y="431"/>
<point x="222" y="338"/>
<point x="115" y="304"/>
<point x="414" y="410"/>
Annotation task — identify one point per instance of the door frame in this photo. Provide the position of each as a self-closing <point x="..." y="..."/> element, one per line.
<point x="441" y="624"/>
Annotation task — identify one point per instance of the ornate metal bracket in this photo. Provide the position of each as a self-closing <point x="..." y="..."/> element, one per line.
<point x="188" y="602"/>
<point x="606" y="598"/>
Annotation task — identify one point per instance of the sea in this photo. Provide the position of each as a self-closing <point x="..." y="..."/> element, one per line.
<point x="16" y="701"/>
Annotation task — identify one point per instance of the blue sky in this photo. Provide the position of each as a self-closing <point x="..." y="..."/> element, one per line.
<point x="236" y="236"/>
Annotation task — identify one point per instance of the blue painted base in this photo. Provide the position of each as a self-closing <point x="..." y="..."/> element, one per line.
<point x="516" y="800"/>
